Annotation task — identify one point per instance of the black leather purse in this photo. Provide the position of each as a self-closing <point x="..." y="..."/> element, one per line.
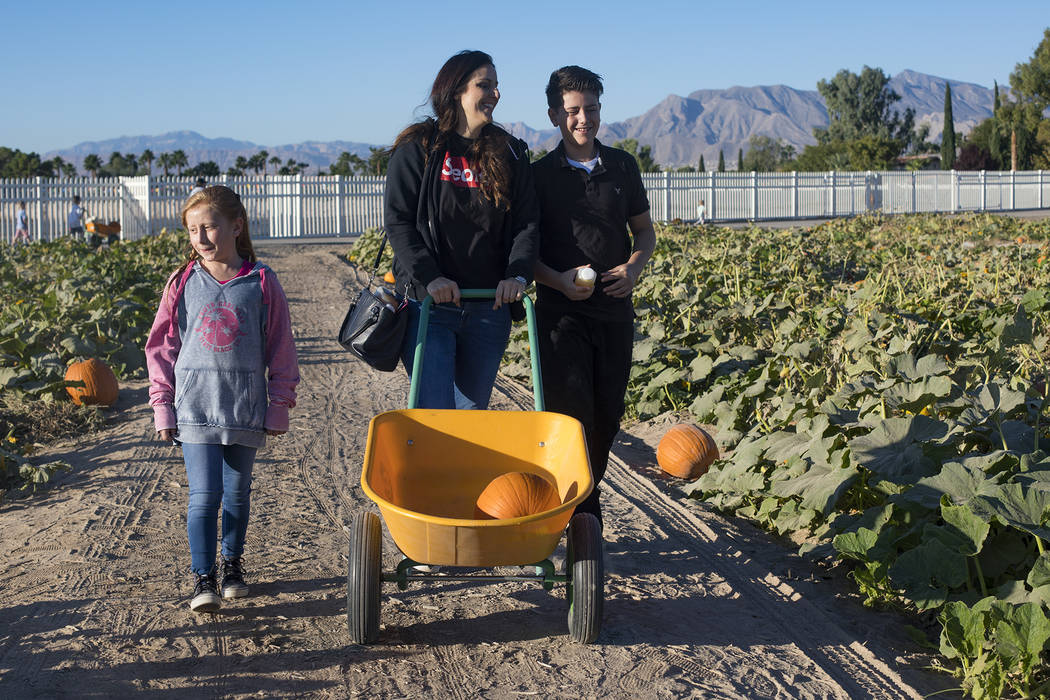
<point x="374" y="326"/>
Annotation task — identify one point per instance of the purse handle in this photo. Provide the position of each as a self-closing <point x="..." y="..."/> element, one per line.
<point x="379" y="256"/>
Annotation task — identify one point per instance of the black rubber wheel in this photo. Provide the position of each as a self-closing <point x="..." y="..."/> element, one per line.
<point x="586" y="588"/>
<point x="363" y="578"/>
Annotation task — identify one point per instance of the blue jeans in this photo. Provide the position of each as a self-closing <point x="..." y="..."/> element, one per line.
<point x="217" y="474"/>
<point x="464" y="348"/>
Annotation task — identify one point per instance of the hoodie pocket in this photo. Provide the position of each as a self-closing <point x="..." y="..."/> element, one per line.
<point x="220" y="398"/>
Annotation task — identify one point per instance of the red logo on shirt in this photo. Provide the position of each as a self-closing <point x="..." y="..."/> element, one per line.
<point x="220" y="326"/>
<point x="457" y="170"/>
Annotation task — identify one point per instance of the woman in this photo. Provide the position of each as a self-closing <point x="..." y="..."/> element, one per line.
<point x="461" y="213"/>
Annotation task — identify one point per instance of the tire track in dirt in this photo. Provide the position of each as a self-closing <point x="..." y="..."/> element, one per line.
<point x="854" y="669"/>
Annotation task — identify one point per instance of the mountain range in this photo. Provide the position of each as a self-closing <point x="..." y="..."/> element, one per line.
<point x="678" y="129"/>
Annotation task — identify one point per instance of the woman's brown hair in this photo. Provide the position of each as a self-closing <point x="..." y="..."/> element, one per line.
<point x="489" y="151"/>
<point x="227" y="203"/>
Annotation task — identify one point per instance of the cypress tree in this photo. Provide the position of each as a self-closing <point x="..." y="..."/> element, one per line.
<point x="995" y="105"/>
<point x="740" y="159"/>
<point x="948" y="135"/>
<point x="703" y="168"/>
<point x="721" y="161"/>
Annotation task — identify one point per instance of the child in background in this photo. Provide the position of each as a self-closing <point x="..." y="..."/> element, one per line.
<point x="75" y="220"/>
<point x="21" y="225"/>
<point x="223" y="372"/>
<point x="701" y="213"/>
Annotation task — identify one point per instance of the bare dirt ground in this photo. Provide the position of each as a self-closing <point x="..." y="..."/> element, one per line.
<point x="94" y="582"/>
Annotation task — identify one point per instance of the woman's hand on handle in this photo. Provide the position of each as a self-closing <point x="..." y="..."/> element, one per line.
<point x="507" y="291"/>
<point x="167" y="435"/>
<point x="444" y="290"/>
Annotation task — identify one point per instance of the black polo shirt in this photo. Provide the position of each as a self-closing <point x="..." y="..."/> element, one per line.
<point x="583" y="220"/>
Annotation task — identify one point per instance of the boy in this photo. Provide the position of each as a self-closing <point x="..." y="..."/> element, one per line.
<point x="75" y="220"/>
<point x="590" y="195"/>
<point x="21" y="225"/>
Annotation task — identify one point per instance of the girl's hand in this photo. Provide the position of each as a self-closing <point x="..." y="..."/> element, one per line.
<point x="167" y="435"/>
<point x="507" y="291"/>
<point x="569" y="287"/>
<point x="275" y="433"/>
<point x="444" y="290"/>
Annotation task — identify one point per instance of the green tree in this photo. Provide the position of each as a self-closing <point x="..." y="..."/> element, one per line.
<point x="1041" y="161"/>
<point x="208" y="168"/>
<point x="948" y="135"/>
<point x="16" y="164"/>
<point x="721" y="161"/>
<point x="92" y="164"/>
<point x="642" y="154"/>
<point x="257" y="162"/>
<point x="241" y="165"/>
<point x="378" y="159"/>
<point x="348" y="164"/>
<point x="1030" y="88"/>
<point x="275" y="162"/>
<point x="179" y="161"/>
<point x="862" y="105"/>
<point x="765" y="154"/>
<point x="740" y="159"/>
<point x="147" y="158"/>
<point x="703" y="168"/>
<point x="536" y="155"/>
<point x="164" y="161"/>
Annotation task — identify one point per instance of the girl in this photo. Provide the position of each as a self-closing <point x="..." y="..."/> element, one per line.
<point x="460" y="212"/>
<point x="223" y="371"/>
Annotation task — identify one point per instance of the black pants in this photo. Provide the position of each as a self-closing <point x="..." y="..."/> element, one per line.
<point x="586" y="364"/>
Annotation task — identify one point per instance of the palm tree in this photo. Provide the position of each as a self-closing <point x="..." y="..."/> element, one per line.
<point x="179" y="161"/>
<point x="263" y="155"/>
<point x="276" y="163"/>
<point x="241" y="164"/>
<point x="147" y="158"/>
<point x="92" y="164"/>
<point x="164" y="161"/>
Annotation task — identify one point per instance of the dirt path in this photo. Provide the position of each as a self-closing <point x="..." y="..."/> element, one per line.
<point x="94" y="584"/>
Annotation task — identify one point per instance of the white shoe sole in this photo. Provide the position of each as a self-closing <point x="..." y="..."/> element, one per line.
<point x="205" y="603"/>
<point x="235" y="591"/>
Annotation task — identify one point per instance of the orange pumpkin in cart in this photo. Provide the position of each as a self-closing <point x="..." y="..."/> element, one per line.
<point x="514" y="495"/>
<point x="686" y="451"/>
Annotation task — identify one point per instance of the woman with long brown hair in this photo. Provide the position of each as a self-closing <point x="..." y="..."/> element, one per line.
<point x="461" y="213"/>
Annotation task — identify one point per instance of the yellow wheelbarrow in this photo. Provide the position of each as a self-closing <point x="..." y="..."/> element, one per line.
<point x="425" y="469"/>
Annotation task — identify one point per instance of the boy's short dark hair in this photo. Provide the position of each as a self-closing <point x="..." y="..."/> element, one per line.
<point x="571" y="79"/>
<point x="76" y="199"/>
<point x="22" y="203"/>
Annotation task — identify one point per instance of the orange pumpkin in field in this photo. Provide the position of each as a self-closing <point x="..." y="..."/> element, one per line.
<point x="516" y="494"/>
<point x="100" y="384"/>
<point x="686" y="451"/>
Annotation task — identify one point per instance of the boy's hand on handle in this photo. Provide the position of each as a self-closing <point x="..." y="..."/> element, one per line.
<point x="620" y="280"/>
<point x="275" y="433"/>
<point x="167" y="435"/>
<point x="507" y="291"/>
<point x="444" y="290"/>
<point x="569" y="287"/>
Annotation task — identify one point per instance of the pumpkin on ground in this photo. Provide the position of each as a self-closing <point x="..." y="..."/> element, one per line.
<point x="515" y="494"/>
<point x="686" y="451"/>
<point x="100" y="384"/>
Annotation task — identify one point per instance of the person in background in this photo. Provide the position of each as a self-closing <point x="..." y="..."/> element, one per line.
<point x="198" y="186"/>
<point x="223" y="372"/>
<point x="594" y="224"/>
<point x="75" y="220"/>
<point x="460" y="212"/>
<point x="21" y="225"/>
<point x="701" y="213"/>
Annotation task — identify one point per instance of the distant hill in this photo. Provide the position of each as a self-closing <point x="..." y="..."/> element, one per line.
<point x="679" y="129"/>
<point x="198" y="148"/>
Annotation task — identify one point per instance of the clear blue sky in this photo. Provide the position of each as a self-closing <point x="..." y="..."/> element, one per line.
<point x="278" y="73"/>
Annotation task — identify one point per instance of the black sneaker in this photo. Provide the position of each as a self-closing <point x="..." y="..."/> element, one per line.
<point x="205" y="594"/>
<point x="233" y="585"/>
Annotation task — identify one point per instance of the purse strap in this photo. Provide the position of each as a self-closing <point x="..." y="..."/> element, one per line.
<point x="375" y="266"/>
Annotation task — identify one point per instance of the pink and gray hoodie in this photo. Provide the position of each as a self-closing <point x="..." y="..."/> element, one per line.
<point x="221" y="358"/>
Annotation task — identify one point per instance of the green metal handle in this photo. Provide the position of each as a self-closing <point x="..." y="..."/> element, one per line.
<point x="421" y="343"/>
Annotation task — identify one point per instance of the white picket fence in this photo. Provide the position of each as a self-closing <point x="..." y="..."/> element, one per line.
<point x="318" y="206"/>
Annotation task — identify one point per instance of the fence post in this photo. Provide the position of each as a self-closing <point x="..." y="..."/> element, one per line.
<point x="667" y="195"/>
<point x="711" y="198"/>
<point x="38" y="209"/>
<point x="754" y="195"/>
<point x="914" y="208"/>
<point x="338" y="205"/>
<point x="1040" y="189"/>
<point x="794" y="194"/>
<point x="298" y="205"/>
<point x="955" y="190"/>
<point x="149" y="205"/>
<point x="834" y="207"/>
<point x="984" y="192"/>
<point x="1012" y="182"/>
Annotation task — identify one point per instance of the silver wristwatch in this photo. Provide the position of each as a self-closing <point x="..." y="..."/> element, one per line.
<point x="521" y="280"/>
